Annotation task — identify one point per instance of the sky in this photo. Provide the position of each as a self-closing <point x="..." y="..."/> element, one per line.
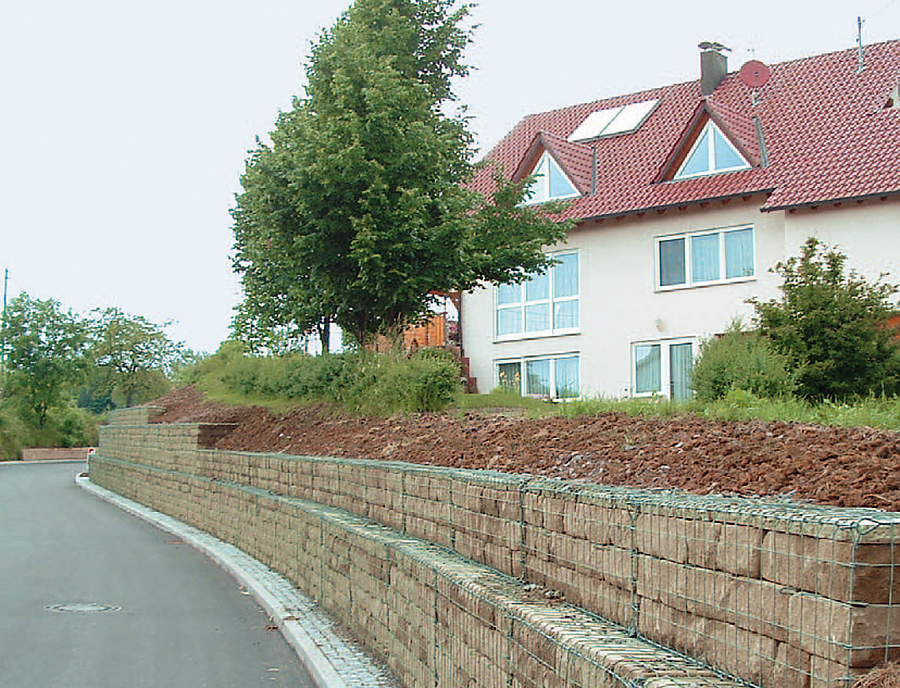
<point x="125" y="125"/>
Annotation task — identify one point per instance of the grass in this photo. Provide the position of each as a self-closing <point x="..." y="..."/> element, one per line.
<point x="219" y="392"/>
<point x="738" y="406"/>
<point x="381" y="386"/>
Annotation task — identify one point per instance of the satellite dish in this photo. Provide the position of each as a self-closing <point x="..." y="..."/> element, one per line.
<point x="754" y="74"/>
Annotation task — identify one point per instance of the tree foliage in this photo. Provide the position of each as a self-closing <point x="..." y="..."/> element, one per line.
<point x="45" y="354"/>
<point x="133" y="357"/>
<point x="832" y="324"/>
<point x="62" y="369"/>
<point x="357" y="212"/>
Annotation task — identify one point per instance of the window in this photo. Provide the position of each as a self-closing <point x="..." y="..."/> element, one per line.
<point x="545" y="304"/>
<point x="722" y="255"/>
<point x="647" y="369"/>
<point x="551" y="182"/>
<point x="712" y="153"/>
<point x="663" y="368"/>
<point x="556" y="377"/>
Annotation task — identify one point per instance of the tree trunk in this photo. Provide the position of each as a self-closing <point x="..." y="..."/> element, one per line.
<point x="325" y="335"/>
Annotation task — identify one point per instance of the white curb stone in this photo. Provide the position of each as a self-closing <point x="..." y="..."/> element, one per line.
<point x="332" y="659"/>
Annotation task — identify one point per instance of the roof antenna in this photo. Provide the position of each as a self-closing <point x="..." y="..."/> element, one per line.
<point x="860" y="65"/>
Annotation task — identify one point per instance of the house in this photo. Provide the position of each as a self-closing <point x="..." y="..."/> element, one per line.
<point x="685" y="197"/>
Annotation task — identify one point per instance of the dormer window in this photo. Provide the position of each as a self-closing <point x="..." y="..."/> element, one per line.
<point x="712" y="153"/>
<point x="551" y="183"/>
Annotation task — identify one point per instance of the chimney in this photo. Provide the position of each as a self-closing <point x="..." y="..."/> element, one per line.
<point x="713" y="65"/>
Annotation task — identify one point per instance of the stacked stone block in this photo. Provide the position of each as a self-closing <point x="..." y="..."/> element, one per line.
<point x="779" y="594"/>
<point x="437" y="618"/>
<point x="55" y="454"/>
<point x="134" y="415"/>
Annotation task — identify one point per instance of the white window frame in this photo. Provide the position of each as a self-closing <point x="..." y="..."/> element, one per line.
<point x="540" y="190"/>
<point x="665" y="351"/>
<point x="688" y="237"/>
<point x="550" y="301"/>
<point x="711" y="160"/>
<point x="523" y="361"/>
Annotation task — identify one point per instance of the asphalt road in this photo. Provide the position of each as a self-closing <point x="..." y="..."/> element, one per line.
<point x="178" y="621"/>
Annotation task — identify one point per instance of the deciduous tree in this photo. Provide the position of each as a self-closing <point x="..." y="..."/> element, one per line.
<point x="357" y="212"/>
<point x="133" y="356"/>
<point x="45" y="349"/>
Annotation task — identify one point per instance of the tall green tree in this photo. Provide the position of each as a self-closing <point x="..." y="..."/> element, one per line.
<point x="133" y="357"/>
<point x="281" y="299"/>
<point x="832" y="324"/>
<point x="45" y="348"/>
<point x="357" y="213"/>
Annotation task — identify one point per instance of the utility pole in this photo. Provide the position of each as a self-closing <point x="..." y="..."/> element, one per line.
<point x="3" y="335"/>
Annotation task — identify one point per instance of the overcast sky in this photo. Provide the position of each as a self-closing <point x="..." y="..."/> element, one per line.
<point x="124" y="126"/>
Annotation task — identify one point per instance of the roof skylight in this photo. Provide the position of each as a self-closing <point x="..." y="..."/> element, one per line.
<point x="611" y="121"/>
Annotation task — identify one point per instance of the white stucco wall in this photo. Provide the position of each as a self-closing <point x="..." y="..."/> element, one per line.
<point x="621" y="306"/>
<point x="868" y="233"/>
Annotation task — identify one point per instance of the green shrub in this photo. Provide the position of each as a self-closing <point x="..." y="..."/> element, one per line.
<point x="64" y="427"/>
<point x="208" y="371"/>
<point x="831" y="323"/>
<point x="740" y="360"/>
<point x="12" y="434"/>
<point x="436" y="354"/>
<point x="358" y="382"/>
<point x="243" y="375"/>
<point x="420" y="384"/>
<point x="71" y="427"/>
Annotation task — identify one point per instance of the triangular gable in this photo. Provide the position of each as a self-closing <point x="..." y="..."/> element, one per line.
<point x="740" y="129"/>
<point x="561" y="165"/>
<point x="551" y="183"/>
<point x="716" y="140"/>
<point x="712" y="153"/>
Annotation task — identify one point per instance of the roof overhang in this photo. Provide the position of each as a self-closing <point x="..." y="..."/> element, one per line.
<point x="675" y="205"/>
<point x="835" y="202"/>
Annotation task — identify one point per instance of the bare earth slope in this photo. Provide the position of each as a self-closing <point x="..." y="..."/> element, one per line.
<point x="849" y="467"/>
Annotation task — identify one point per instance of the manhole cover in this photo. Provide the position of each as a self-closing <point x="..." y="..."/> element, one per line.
<point x="82" y="607"/>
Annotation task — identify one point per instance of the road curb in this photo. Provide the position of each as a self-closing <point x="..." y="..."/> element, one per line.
<point x="332" y="660"/>
<point x="41" y="462"/>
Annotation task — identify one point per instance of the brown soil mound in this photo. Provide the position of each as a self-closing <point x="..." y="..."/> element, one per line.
<point x="851" y="467"/>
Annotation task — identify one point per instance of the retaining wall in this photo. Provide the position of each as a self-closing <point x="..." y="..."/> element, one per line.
<point x="781" y="595"/>
<point x="55" y="454"/>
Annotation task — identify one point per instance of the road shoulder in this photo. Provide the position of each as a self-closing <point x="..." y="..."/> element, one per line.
<point x="333" y="659"/>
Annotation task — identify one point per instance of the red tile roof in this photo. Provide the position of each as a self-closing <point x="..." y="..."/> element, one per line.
<point x="826" y="136"/>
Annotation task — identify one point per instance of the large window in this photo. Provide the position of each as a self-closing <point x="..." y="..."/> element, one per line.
<point x="663" y="368"/>
<point x="556" y="377"/>
<point x="722" y="255"/>
<point x="545" y="304"/>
